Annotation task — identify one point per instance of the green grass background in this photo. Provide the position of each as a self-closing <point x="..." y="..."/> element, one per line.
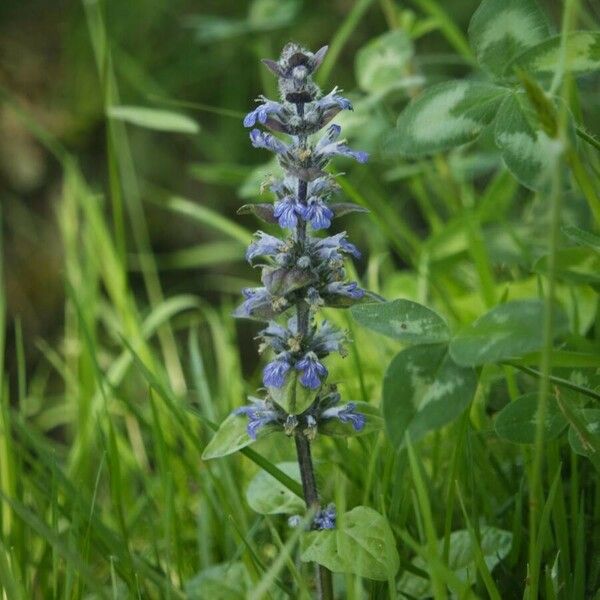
<point x="122" y="261"/>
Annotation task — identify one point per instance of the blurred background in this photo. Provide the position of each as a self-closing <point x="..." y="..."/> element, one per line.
<point x="199" y="58"/>
<point x="164" y="54"/>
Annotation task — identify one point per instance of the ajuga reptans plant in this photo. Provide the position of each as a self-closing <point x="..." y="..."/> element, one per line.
<point x="302" y="271"/>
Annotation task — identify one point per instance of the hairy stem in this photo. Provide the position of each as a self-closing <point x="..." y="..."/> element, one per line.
<point x="307" y="473"/>
<point x="311" y="497"/>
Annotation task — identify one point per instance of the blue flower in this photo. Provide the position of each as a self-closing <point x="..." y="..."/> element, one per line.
<point x="322" y="186"/>
<point x="329" y="248"/>
<point x="325" y="518"/>
<point x="254" y="298"/>
<point x="287" y="212"/>
<point x="328" y="339"/>
<point x="260" y="139"/>
<point x="275" y="372"/>
<point x="331" y="135"/>
<point x="346" y="413"/>
<point x="333" y="98"/>
<point x="265" y="245"/>
<point x="330" y="105"/>
<point x="275" y="336"/>
<point x="261" y="113"/>
<point x="350" y="289"/>
<point x="348" y="247"/>
<point x="259" y="413"/>
<point x="294" y="521"/>
<point x="313" y="372"/>
<point x="313" y="297"/>
<point x="328" y="146"/>
<point x="317" y="213"/>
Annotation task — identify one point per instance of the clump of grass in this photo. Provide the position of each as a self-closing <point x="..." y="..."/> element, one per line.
<point x="103" y="489"/>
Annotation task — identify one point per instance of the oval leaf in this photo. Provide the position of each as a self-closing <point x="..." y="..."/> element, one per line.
<point x="363" y="544"/>
<point x="508" y="331"/>
<point x="266" y="496"/>
<point x="529" y="154"/>
<point x="423" y="389"/>
<point x="281" y="280"/>
<point x="403" y="320"/>
<point x="582" y="55"/>
<point x="517" y="421"/>
<point x="232" y="436"/>
<point x="444" y="116"/>
<point x="495" y="545"/>
<point x="293" y="397"/>
<point x="381" y="64"/>
<point x="152" y="118"/>
<point x="502" y="29"/>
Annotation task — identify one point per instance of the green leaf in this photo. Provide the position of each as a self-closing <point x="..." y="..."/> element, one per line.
<point x="220" y="173"/>
<point x="280" y="281"/>
<point x="528" y="152"/>
<point x="232" y="436"/>
<point x="227" y="581"/>
<point x="575" y="265"/>
<point x="363" y="544"/>
<point x="253" y="186"/>
<point x="403" y="320"/>
<point x="445" y="115"/>
<point x="335" y="427"/>
<point x="262" y="210"/>
<point x="266" y="496"/>
<point x="500" y="30"/>
<point x="582" y="54"/>
<point x="209" y="29"/>
<point x="582" y="237"/>
<point x="584" y="444"/>
<point x="152" y="118"/>
<point x="381" y="64"/>
<point x="191" y="209"/>
<point x="342" y="301"/>
<point x="508" y="331"/>
<point x="495" y="545"/>
<point x="293" y="397"/>
<point x="517" y="421"/>
<point x="340" y="209"/>
<point x="423" y="389"/>
<point x="265" y="15"/>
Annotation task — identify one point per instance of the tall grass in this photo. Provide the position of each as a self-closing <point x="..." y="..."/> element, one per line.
<point x="102" y="490"/>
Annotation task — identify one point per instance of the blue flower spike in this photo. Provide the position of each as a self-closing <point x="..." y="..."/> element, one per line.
<point x="303" y="268"/>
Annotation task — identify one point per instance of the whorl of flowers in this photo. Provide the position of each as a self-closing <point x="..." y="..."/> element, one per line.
<point x="301" y="271"/>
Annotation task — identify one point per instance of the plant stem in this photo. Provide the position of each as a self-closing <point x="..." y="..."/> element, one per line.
<point x="311" y="497"/>
<point x="307" y="473"/>
<point x="536" y="491"/>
